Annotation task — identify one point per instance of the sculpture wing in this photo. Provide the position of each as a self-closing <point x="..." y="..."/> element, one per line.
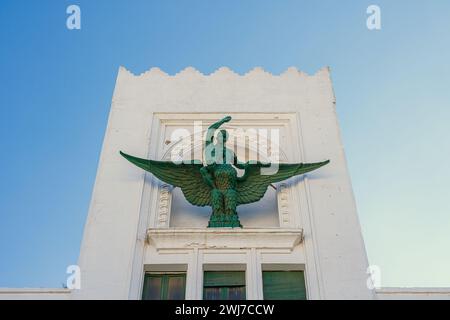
<point x="255" y="185"/>
<point x="185" y="176"/>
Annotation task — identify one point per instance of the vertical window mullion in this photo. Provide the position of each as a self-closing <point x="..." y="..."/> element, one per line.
<point x="164" y="287"/>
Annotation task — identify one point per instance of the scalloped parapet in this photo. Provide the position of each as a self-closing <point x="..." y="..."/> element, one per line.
<point x="225" y="71"/>
<point x="223" y="89"/>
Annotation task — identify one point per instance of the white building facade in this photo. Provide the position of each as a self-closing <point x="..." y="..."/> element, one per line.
<point x="140" y="229"/>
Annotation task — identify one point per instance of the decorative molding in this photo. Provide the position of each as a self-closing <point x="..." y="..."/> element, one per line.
<point x="283" y="120"/>
<point x="165" y="197"/>
<point x="224" y="238"/>
<point x="283" y="204"/>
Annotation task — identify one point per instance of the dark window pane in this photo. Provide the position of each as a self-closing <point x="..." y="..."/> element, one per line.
<point x="236" y="293"/>
<point x="211" y="293"/>
<point x="152" y="288"/>
<point x="176" y="288"/>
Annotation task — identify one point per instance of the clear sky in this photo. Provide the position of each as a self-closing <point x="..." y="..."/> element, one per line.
<point x="393" y="101"/>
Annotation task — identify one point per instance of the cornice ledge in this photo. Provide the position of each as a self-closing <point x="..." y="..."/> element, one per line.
<point x="224" y="238"/>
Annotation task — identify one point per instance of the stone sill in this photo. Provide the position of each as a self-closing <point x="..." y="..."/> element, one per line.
<point x="224" y="238"/>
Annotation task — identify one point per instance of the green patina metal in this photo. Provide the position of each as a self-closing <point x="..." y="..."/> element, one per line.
<point x="216" y="183"/>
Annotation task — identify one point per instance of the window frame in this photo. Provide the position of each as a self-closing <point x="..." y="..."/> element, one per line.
<point x="235" y="279"/>
<point x="164" y="283"/>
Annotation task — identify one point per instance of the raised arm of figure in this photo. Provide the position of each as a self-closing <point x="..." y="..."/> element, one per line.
<point x="209" y="146"/>
<point x="207" y="177"/>
<point x="212" y="129"/>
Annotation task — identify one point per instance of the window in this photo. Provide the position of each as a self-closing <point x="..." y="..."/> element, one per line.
<point x="224" y="285"/>
<point x="164" y="286"/>
<point x="284" y="285"/>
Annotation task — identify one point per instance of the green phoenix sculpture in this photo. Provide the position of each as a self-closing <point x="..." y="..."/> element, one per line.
<point x="216" y="183"/>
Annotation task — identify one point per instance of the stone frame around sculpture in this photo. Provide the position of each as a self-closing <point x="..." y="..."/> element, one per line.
<point x="292" y="197"/>
<point x="163" y="195"/>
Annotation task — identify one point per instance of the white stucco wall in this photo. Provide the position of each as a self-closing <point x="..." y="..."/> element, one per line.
<point x="116" y="227"/>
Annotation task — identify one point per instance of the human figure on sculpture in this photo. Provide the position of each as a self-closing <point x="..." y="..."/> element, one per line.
<point x="220" y="175"/>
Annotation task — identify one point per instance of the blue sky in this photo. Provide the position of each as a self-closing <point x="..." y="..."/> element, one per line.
<point x="393" y="99"/>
